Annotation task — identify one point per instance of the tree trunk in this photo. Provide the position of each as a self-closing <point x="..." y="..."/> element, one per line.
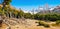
<point x="1" y="23"/>
<point x="10" y="15"/>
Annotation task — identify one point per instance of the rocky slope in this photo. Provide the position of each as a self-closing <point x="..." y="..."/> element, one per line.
<point x="13" y="23"/>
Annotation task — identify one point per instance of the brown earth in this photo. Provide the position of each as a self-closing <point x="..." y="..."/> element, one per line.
<point x="27" y="24"/>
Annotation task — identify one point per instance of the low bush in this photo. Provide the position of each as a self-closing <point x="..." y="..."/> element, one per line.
<point x="40" y="23"/>
<point x="58" y="22"/>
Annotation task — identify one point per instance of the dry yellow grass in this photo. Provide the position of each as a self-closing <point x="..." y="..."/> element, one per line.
<point x="4" y="26"/>
<point x="30" y="24"/>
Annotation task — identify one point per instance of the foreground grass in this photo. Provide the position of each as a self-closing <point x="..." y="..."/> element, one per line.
<point x="43" y="25"/>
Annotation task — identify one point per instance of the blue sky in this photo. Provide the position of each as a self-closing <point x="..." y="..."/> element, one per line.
<point x="30" y="4"/>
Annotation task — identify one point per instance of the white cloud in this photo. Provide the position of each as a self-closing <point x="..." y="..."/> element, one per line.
<point x="25" y="11"/>
<point x="51" y="8"/>
<point x="40" y="8"/>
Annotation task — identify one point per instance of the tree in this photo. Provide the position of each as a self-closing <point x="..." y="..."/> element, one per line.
<point x="5" y="2"/>
<point x="28" y="15"/>
<point x="21" y="13"/>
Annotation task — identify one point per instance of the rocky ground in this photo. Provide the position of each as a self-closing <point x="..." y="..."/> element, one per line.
<point x="13" y="23"/>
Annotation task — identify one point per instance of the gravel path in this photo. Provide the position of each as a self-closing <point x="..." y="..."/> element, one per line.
<point x="26" y="24"/>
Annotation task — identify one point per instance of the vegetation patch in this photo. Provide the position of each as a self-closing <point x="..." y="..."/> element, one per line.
<point x="41" y="23"/>
<point x="57" y="23"/>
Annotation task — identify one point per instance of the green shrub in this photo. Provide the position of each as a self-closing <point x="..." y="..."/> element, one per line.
<point x="54" y="24"/>
<point x="43" y="24"/>
<point x="46" y="25"/>
<point x="58" y="22"/>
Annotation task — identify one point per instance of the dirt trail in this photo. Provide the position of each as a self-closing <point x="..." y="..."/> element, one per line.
<point x="25" y="24"/>
<point x="33" y="25"/>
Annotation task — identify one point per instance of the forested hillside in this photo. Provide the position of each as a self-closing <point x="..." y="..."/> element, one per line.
<point x="13" y="18"/>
